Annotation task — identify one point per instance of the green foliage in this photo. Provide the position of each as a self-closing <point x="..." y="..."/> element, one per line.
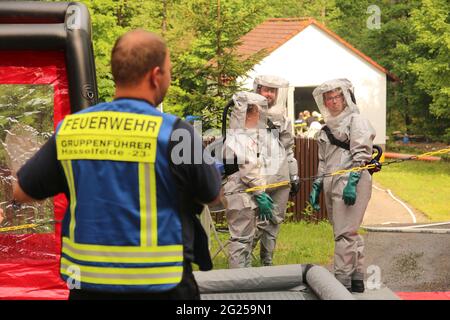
<point x="413" y="43"/>
<point x="207" y="72"/>
<point x="431" y="25"/>
<point x="29" y="104"/>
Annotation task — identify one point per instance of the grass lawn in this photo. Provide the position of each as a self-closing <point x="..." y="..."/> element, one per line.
<point x="424" y="185"/>
<point x="298" y="243"/>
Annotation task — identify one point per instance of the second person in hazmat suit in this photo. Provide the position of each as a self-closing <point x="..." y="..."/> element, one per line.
<point x="275" y="89"/>
<point x="345" y="142"/>
<point x="256" y="155"/>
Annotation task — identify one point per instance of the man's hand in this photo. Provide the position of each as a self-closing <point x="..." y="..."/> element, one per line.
<point x="295" y="185"/>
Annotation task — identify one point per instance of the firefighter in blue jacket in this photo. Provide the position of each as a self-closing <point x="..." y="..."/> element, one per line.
<point x="130" y="230"/>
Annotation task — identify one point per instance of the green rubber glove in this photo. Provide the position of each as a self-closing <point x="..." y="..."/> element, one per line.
<point x="314" y="196"/>
<point x="265" y="205"/>
<point x="349" y="194"/>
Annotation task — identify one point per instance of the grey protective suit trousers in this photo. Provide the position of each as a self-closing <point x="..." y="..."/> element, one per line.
<point x="346" y="220"/>
<point x="242" y="227"/>
<point x="267" y="231"/>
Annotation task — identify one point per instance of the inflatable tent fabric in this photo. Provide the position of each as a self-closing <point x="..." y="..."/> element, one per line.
<point x="29" y="266"/>
<point x="49" y="44"/>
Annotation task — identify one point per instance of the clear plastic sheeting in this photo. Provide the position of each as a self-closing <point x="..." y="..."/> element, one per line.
<point x="33" y="99"/>
<point x="19" y="144"/>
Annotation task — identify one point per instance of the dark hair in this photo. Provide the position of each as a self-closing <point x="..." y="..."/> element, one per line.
<point x="134" y="54"/>
<point x="252" y="108"/>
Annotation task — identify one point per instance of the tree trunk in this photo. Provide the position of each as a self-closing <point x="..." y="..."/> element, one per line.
<point x="219" y="50"/>
<point x="121" y="8"/>
<point x="164" y="18"/>
<point x="323" y="14"/>
<point x="407" y="117"/>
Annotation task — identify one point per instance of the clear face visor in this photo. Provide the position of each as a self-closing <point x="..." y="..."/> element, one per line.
<point x="275" y="89"/>
<point x="332" y="103"/>
<point x="247" y="123"/>
<point x="254" y="117"/>
<point x="276" y="97"/>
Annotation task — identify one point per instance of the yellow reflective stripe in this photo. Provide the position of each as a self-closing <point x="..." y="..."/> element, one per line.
<point x="121" y="281"/>
<point x="143" y="203"/>
<point x="121" y="276"/>
<point x="67" y="166"/>
<point x="153" y="209"/>
<point x="148" y="206"/>
<point x="122" y="254"/>
<point x="113" y="270"/>
<point x="100" y="280"/>
<point x="103" y="248"/>
<point x="120" y="258"/>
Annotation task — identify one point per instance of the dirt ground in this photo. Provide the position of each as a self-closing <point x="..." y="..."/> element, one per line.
<point x="409" y="262"/>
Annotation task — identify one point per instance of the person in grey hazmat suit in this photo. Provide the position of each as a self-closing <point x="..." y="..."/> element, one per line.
<point x="345" y="142"/>
<point x="257" y="155"/>
<point x="275" y="89"/>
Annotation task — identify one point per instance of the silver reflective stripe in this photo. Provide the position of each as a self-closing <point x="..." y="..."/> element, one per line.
<point x="129" y="276"/>
<point x="122" y="253"/>
<point x="135" y="275"/>
<point x="121" y="276"/>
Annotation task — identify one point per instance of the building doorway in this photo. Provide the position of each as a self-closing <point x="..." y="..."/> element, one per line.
<point x="303" y="100"/>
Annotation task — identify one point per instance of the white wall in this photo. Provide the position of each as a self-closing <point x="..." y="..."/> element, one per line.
<point x="312" y="57"/>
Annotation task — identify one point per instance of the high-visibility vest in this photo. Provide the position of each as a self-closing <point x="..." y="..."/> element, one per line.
<point x="122" y="231"/>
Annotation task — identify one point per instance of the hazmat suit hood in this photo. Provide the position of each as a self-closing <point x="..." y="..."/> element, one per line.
<point x="278" y="108"/>
<point x="242" y="102"/>
<point x="340" y="85"/>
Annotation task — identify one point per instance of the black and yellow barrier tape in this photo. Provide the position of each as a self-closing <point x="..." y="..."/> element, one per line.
<point x="339" y="172"/>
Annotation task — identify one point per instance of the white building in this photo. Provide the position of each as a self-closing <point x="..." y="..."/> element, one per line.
<point x="306" y="53"/>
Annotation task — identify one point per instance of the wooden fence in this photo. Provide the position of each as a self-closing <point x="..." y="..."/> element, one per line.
<point x="306" y="153"/>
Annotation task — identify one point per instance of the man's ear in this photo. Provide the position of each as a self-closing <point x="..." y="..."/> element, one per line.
<point x="153" y="77"/>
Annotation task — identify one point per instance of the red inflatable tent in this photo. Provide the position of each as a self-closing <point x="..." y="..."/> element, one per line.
<point x="46" y="44"/>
